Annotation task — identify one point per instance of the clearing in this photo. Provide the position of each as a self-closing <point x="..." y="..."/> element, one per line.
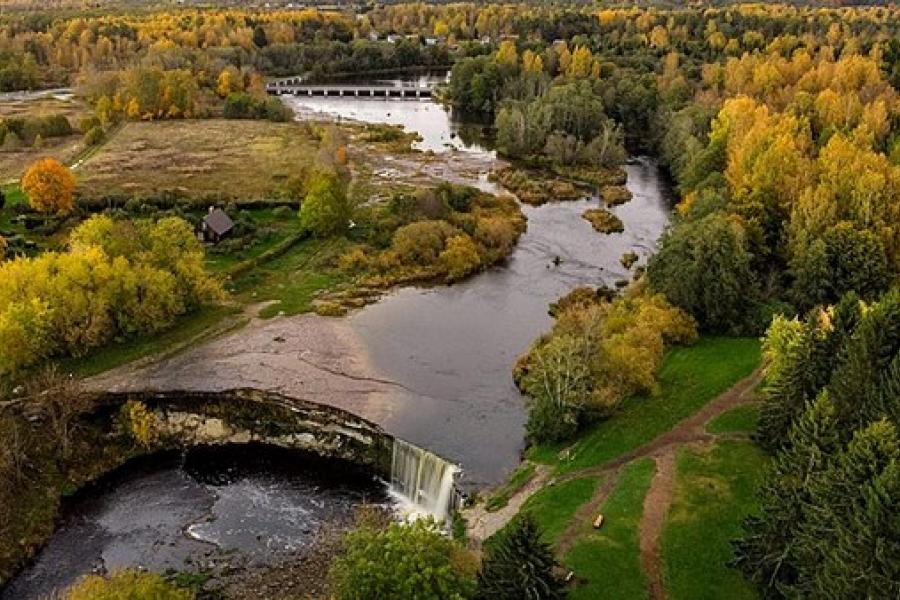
<point x="673" y="474"/>
<point x="211" y="159"/>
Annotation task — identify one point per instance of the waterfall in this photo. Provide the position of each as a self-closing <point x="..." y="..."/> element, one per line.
<point x="422" y="479"/>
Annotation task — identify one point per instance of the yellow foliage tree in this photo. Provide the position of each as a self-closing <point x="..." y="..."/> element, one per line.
<point x="50" y="186"/>
<point x="532" y="62"/>
<point x="507" y="53"/>
<point x="581" y="64"/>
<point x="229" y="81"/>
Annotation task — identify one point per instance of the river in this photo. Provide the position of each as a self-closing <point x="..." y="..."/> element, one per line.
<point x="453" y="347"/>
<point x="432" y="366"/>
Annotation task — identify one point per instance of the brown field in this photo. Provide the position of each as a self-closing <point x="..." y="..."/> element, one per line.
<point x="14" y="162"/>
<point x="241" y="160"/>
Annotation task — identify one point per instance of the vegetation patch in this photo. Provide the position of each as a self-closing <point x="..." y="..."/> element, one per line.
<point x="688" y="379"/>
<point x="536" y="188"/>
<point x="603" y="220"/>
<point x="555" y="504"/>
<point x="715" y="489"/>
<point x="741" y="419"/>
<point x="598" y="353"/>
<point x="606" y="561"/>
<point x="614" y="195"/>
<point x="518" y="480"/>
<point x="628" y="259"/>
<point x="443" y="234"/>
<point x="199" y="161"/>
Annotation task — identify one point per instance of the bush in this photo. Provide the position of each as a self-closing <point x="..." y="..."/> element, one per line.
<point x="94" y="136"/>
<point x="422" y="242"/>
<point x="402" y="562"/>
<point x="460" y="257"/>
<point x="241" y="105"/>
<point x="126" y="585"/>
<point x="139" y="423"/>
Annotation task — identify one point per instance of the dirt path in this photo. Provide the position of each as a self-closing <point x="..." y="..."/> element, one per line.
<point x="586" y="514"/>
<point x="656" y="506"/>
<point x="483" y="524"/>
<point x="690" y="430"/>
<point x="663" y="450"/>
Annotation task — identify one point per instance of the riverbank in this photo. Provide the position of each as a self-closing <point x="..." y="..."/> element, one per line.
<point x="107" y="434"/>
<point x="647" y="470"/>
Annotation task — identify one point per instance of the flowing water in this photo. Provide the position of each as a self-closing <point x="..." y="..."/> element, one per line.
<point x="214" y="509"/>
<point x="422" y="480"/>
<point x="451" y="349"/>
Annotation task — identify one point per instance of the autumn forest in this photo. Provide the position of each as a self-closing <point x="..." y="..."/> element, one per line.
<point x="611" y="311"/>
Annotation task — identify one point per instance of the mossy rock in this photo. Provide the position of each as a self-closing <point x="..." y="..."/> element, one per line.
<point x="603" y="221"/>
<point x="325" y="308"/>
<point x="615" y="195"/>
<point x="628" y="259"/>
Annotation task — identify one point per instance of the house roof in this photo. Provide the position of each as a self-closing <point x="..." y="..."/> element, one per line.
<point x="218" y="222"/>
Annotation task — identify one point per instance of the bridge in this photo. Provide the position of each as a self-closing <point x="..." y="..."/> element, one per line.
<point x="296" y="87"/>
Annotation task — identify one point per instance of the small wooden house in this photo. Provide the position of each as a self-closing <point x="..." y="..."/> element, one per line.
<point x="215" y="226"/>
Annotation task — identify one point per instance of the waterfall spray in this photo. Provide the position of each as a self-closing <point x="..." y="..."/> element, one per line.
<point x="422" y="479"/>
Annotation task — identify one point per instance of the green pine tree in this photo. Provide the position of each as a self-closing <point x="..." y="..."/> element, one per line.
<point x="518" y="565"/>
<point x="766" y="553"/>
<point x="849" y="543"/>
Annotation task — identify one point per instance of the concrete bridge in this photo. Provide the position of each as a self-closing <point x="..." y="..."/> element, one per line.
<point x="296" y="87"/>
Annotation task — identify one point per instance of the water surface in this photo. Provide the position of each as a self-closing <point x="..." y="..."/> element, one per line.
<point x="453" y="347"/>
<point x="214" y="509"/>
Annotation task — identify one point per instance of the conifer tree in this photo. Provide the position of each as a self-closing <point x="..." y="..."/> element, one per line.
<point x="519" y="566"/>
<point x="869" y="354"/>
<point x="849" y="543"/>
<point x="766" y="554"/>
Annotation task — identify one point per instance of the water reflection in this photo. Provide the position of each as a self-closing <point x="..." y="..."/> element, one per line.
<point x="455" y="346"/>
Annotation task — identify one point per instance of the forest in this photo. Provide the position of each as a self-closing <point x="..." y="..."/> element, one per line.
<point x="779" y="129"/>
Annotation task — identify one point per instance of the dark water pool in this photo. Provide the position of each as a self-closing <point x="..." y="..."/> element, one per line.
<point x="212" y="509"/>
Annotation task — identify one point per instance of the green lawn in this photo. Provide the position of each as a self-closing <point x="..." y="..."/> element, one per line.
<point x="554" y="505"/>
<point x="689" y="378"/>
<point x="118" y="353"/>
<point x="608" y="559"/>
<point x="715" y="489"/>
<point x="519" y="479"/>
<point x="293" y="279"/>
<point x="741" y="419"/>
<point x="14" y="196"/>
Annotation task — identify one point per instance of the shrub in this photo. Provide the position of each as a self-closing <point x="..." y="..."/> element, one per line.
<point x="496" y="233"/>
<point x="422" y="242"/>
<point x="128" y="584"/>
<point x="94" y="136"/>
<point x="139" y="423"/>
<point x="460" y="257"/>
<point x="402" y="562"/>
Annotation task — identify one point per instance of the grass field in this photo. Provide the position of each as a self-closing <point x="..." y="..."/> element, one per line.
<point x="608" y="559"/>
<point x="519" y="479"/>
<point x="113" y="355"/>
<point x="715" y="489"/>
<point x="14" y="162"/>
<point x="554" y="505"/>
<point x="689" y="378"/>
<point x="742" y="419"/>
<point x="200" y="159"/>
